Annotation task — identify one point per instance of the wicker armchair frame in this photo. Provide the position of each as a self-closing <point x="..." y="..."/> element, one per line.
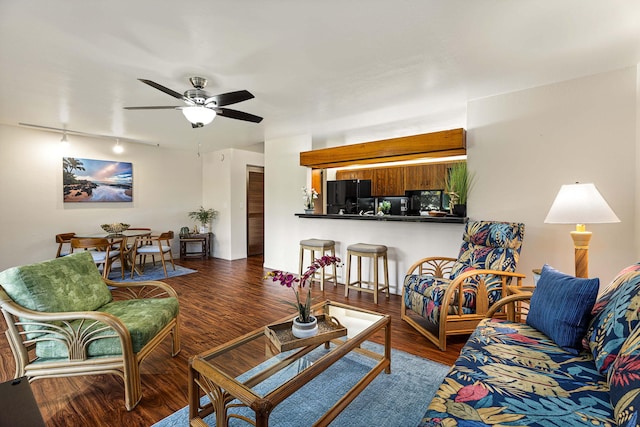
<point x="455" y="323"/>
<point x="77" y="336"/>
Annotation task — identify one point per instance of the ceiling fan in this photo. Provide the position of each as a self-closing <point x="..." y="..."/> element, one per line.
<point x="201" y="107"/>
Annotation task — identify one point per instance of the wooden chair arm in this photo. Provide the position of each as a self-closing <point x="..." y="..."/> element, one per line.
<point x="52" y="322"/>
<point x="508" y="302"/>
<point x="482" y="302"/>
<point x="146" y="289"/>
<point x="433" y="266"/>
<point x="17" y="310"/>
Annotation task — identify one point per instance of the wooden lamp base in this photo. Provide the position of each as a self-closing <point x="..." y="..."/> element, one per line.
<point x="581" y="244"/>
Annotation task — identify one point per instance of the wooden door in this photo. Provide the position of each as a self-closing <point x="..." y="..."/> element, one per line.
<point x="255" y="210"/>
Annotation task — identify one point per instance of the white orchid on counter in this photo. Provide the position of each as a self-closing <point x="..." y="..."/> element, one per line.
<point x="308" y="196"/>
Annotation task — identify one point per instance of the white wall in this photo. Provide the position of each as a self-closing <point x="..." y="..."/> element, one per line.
<point x="524" y="145"/>
<point x="284" y="179"/>
<point x="637" y="180"/>
<point x="224" y="176"/>
<point x="166" y="185"/>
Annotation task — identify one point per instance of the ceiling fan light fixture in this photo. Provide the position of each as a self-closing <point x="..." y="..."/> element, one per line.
<point x="199" y="115"/>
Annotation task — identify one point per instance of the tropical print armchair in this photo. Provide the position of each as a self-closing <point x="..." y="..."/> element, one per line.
<point x="448" y="296"/>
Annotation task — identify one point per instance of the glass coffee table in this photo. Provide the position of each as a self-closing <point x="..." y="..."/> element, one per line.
<point x="252" y="372"/>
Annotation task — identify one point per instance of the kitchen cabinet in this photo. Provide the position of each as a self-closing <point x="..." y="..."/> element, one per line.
<point x="395" y="180"/>
<point x="387" y="181"/>
<point x="354" y="174"/>
<point x="425" y="177"/>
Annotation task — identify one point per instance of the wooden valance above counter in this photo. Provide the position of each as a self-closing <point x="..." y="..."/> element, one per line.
<point x="398" y="218"/>
<point x="435" y="144"/>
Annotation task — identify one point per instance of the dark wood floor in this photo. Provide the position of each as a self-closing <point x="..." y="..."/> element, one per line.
<point x="223" y="300"/>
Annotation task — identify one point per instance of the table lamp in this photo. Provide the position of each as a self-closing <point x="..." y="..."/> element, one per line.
<point x="580" y="204"/>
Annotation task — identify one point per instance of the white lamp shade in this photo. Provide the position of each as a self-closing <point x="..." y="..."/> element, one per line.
<point x="198" y="114"/>
<point x="580" y="204"/>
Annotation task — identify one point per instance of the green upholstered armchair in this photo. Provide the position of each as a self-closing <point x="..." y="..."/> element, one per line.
<point x="63" y="318"/>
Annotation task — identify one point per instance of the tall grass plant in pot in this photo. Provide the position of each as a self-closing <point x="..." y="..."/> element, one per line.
<point x="458" y="184"/>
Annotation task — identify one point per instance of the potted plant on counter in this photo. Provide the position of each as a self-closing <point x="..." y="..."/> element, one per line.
<point x="308" y="198"/>
<point x="458" y="183"/>
<point x="204" y="217"/>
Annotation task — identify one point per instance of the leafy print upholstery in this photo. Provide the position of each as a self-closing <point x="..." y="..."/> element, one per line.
<point x="509" y="374"/>
<point x="615" y="314"/>
<point x="143" y="318"/>
<point x="73" y="283"/>
<point x="624" y="380"/>
<point x="69" y="283"/>
<point x="486" y="245"/>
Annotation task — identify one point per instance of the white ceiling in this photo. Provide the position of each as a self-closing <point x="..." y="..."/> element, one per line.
<point x="325" y="67"/>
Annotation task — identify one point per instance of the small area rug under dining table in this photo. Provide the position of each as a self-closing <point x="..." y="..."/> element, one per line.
<point x="151" y="272"/>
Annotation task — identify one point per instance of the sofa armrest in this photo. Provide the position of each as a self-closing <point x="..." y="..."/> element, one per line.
<point x="140" y="290"/>
<point x="513" y="311"/>
<point x="433" y="266"/>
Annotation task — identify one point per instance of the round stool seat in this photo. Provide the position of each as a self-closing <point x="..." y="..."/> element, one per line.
<point x="375" y="253"/>
<point x="317" y="243"/>
<point x="324" y="247"/>
<point x="367" y="248"/>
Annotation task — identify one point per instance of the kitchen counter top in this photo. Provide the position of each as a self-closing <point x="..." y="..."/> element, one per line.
<point x="399" y="218"/>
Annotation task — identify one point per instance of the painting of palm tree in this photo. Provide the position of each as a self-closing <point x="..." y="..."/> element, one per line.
<point x="88" y="180"/>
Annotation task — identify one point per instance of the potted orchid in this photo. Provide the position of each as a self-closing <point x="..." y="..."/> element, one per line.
<point x="304" y="324"/>
<point x="308" y="196"/>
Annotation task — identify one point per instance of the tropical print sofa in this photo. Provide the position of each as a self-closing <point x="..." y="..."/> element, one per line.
<point x="512" y="374"/>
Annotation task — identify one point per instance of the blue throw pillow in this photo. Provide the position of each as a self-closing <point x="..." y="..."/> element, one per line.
<point x="560" y="307"/>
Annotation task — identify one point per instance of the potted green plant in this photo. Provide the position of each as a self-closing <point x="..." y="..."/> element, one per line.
<point x="457" y="184"/>
<point x="204" y="217"/>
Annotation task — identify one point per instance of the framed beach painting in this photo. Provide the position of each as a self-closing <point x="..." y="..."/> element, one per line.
<point x="88" y="180"/>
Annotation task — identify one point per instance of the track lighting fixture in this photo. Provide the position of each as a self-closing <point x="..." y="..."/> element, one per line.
<point x="118" y="149"/>
<point x="64" y="142"/>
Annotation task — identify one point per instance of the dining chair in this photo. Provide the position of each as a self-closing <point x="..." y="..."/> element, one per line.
<point x="152" y="245"/>
<point x="103" y="252"/>
<point x="63" y="239"/>
<point x="145" y="232"/>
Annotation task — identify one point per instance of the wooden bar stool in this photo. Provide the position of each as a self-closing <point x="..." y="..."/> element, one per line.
<point x="322" y="246"/>
<point x="375" y="252"/>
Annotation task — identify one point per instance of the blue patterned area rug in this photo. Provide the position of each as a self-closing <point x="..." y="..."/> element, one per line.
<point x="151" y="272"/>
<point x="396" y="400"/>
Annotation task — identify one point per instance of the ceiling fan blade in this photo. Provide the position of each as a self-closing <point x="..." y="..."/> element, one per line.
<point x="167" y="107"/>
<point x="166" y="90"/>
<point x="230" y="98"/>
<point x="239" y="115"/>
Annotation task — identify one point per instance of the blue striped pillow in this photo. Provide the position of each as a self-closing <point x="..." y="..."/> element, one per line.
<point x="560" y="307"/>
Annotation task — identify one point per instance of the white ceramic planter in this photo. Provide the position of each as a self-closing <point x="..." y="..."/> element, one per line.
<point x="304" y="330"/>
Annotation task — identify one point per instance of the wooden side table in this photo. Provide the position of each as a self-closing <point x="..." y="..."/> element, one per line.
<point x="203" y="242"/>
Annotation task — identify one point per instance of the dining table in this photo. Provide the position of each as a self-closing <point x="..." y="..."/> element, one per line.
<point x="123" y="238"/>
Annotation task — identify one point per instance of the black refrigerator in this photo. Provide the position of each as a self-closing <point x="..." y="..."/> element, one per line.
<point x="344" y="194"/>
